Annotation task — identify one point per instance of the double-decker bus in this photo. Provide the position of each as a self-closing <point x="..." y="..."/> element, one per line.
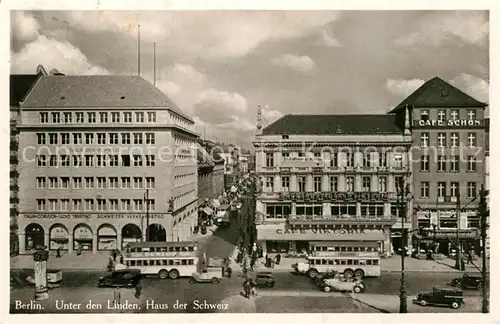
<point x="165" y="259"/>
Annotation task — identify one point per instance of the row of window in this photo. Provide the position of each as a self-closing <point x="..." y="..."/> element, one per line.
<point x="471" y="189"/>
<point x="95" y="182"/>
<point x="454" y="114"/>
<point x="343" y="262"/>
<point x="369" y="160"/>
<point x="366" y="210"/>
<point x="95" y="160"/>
<point x="472" y="222"/>
<point x="95" y="138"/>
<point x="453" y="142"/>
<point x="163" y="262"/>
<point x="344" y="249"/>
<point x="92" y="117"/>
<point x="366" y="183"/>
<point x="453" y="161"/>
<point x="163" y="249"/>
<point x="137" y="205"/>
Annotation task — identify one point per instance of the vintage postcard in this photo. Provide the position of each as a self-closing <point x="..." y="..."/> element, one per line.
<point x="171" y="161"/>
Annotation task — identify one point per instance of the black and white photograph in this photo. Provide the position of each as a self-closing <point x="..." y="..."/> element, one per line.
<point x="249" y="161"/>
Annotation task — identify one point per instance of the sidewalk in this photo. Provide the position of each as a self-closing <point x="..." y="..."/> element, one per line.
<point x="87" y="261"/>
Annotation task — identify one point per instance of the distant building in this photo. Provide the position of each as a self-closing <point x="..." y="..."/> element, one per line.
<point x="210" y="174"/>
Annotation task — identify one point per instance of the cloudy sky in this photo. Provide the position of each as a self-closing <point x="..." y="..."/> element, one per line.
<point x="219" y="66"/>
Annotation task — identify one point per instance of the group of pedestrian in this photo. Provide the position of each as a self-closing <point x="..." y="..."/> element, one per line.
<point x="117" y="294"/>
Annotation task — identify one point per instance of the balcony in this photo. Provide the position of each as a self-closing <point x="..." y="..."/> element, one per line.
<point x="14" y="199"/>
<point x="14" y="159"/>
<point x="14" y="187"/>
<point x="14" y="212"/>
<point x="14" y="145"/>
<point x="285" y="170"/>
<point x="14" y="173"/>
<point x="345" y="219"/>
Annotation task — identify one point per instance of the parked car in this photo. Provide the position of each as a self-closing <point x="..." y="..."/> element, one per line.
<point x="468" y="281"/>
<point x="207" y="275"/>
<point x="203" y="230"/>
<point x="450" y="297"/>
<point x="121" y="278"/>
<point x="265" y="279"/>
<point x="318" y="280"/>
<point x="341" y="283"/>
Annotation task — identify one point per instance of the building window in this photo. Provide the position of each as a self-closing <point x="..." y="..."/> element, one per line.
<point x="41" y="160"/>
<point x="441" y="189"/>
<point x="454" y="163"/>
<point x="441" y="139"/>
<point x="424" y="114"/>
<point x="301" y="182"/>
<point x="77" y="160"/>
<point x="79" y="118"/>
<point x="113" y="138"/>
<point x="53" y="138"/>
<point x="383" y="159"/>
<point x="424" y="189"/>
<point x="53" y="183"/>
<point x="398" y="160"/>
<point x="64" y="182"/>
<point x="89" y="138"/>
<point x="471" y="163"/>
<point x="349" y="184"/>
<point x="126" y="205"/>
<point x="52" y="204"/>
<point x="424" y="140"/>
<point x="77" y="204"/>
<point x="441" y="163"/>
<point x="309" y="210"/>
<point x="269" y="160"/>
<point x="89" y="204"/>
<point x="151" y="117"/>
<point x="372" y="210"/>
<point x="350" y="159"/>
<point x="138" y="205"/>
<point x="89" y="182"/>
<point x="103" y="117"/>
<point x="56" y="118"/>
<point x="113" y="183"/>
<point x="77" y="183"/>
<point x="285" y="183"/>
<point x="334" y="184"/>
<point x="113" y="160"/>
<point x="53" y="161"/>
<point x="454" y="189"/>
<point x="100" y="160"/>
<point x="269" y="184"/>
<point x="334" y="160"/>
<point x="150" y="138"/>
<point x="101" y="204"/>
<point x="341" y="209"/>
<point x="41" y="139"/>
<point x="137" y="138"/>
<point x="441" y="115"/>
<point x="471" y="190"/>
<point x="367" y="183"/>
<point x="89" y="160"/>
<point x="125" y="182"/>
<point x="398" y="183"/>
<point x="137" y="183"/>
<point x="115" y="117"/>
<point x="91" y="117"/>
<point x="367" y="161"/>
<point x="455" y="140"/>
<point x="137" y="160"/>
<point x="44" y="118"/>
<point x="285" y="155"/>
<point x="101" y="138"/>
<point x="277" y="211"/>
<point x="150" y="183"/>
<point x="150" y="160"/>
<point x="455" y="114"/>
<point x="139" y="117"/>
<point x="317" y="183"/>
<point x="300" y="154"/>
<point x="382" y="184"/>
<point x="101" y="182"/>
<point x="127" y="117"/>
<point x="41" y="205"/>
<point x="472" y="139"/>
<point x="424" y="163"/>
<point x="471" y="114"/>
<point x="41" y="183"/>
<point x="151" y="205"/>
<point x="64" y="204"/>
<point x="125" y="138"/>
<point x="113" y="204"/>
<point x="77" y="138"/>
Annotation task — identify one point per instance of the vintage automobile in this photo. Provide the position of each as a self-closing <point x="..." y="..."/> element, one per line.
<point x="340" y="283"/>
<point x="451" y="297"/>
<point x="203" y="229"/>
<point x="318" y="280"/>
<point x="54" y="279"/>
<point x="265" y="279"/>
<point x="121" y="278"/>
<point x="207" y="275"/>
<point x="468" y="281"/>
<point x="300" y="267"/>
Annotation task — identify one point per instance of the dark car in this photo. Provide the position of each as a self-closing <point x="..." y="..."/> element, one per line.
<point x="121" y="278"/>
<point x="265" y="279"/>
<point x="318" y="280"/>
<point x="468" y="282"/>
<point x="450" y="297"/>
<point x="203" y="230"/>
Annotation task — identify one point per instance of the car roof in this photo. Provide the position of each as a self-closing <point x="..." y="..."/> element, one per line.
<point x="264" y="273"/>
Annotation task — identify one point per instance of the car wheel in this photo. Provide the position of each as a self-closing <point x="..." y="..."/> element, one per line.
<point x="348" y="273"/>
<point x="163" y="274"/>
<point x="455" y="305"/>
<point x="359" y="273"/>
<point x="313" y="273"/>
<point x="357" y="289"/>
<point x="173" y="274"/>
<point x="423" y="303"/>
<point x="457" y="284"/>
<point x="215" y="280"/>
<point x="327" y="288"/>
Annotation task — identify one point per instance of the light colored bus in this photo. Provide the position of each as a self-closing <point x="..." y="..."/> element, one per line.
<point x="350" y="266"/>
<point x="361" y="249"/>
<point x="165" y="259"/>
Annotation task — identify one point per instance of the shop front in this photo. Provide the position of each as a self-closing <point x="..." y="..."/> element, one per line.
<point x="444" y="241"/>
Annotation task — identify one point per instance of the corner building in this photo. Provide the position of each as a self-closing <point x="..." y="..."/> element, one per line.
<point x="333" y="179"/>
<point x="449" y="168"/>
<point x="91" y="150"/>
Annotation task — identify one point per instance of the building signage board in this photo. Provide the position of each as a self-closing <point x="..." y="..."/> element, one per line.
<point x="89" y="216"/>
<point x="334" y="196"/>
<point x="344" y="254"/>
<point x="162" y="254"/>
<point x="341" y="231"/>
<point x="448" y="123"/>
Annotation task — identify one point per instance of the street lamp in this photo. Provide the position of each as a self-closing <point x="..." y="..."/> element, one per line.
<point x="402" y="195"/>
<point x="458" y="255"/>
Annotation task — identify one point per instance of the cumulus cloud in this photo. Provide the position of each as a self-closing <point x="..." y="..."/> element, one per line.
<point x="25" y="28"/>
<point x="471" y="27"/>
<point x="294" y="62"/>
<point x="51" y="53"/>
<point x="473" y="86"/>
<point x="330" y="40"/>
<point x="219" y="107"/>
<point x="403" y="87"/>
<point x="169" y="88"/>
<point x="270" y="115"/>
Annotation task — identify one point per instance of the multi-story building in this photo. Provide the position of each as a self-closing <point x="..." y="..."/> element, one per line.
<point x="244" y="157"/>
<point x="231" y="156"/>
<point x="449" y="136"/>
<point x="104" y="160"/>
<point x="331" y="178"/>
<point x="20" y="85"/>
<point x="210" y="176"/>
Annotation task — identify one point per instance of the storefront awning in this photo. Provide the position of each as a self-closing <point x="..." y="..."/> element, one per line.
<point x="208" y="210"/>
<point x="279" y="233"/>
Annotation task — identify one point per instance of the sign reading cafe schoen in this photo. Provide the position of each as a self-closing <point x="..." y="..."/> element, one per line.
<point x="443" y="123"/>
<point x="334" y="196"/>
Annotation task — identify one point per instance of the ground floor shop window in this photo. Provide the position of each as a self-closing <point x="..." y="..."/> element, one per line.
<point x="82" y="238"/>
<point x="309" y="210"/>
<point x="278" y="211"/>
<point x="372" y="210"/>
<point x="107" y="239"/>
<point x="448" y="223"/>
<point x="277" y="246"/>
<point x="34" y="236"/>
<point x="424" y="223"/>
<point x="59" y="238"/>
<point x="473" y="222"/>
<point x="339" y="210"/>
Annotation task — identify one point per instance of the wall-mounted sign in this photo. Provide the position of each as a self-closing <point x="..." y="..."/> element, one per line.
<point x="83" y="150"/>
<point x="161" y="254"/>
<point x="448" y="123"/>
<point x="334" y="196"/>
<point x="342" y="231"/>
<point x="88" y="216"/>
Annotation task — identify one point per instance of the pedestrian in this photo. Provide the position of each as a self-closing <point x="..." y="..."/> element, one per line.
<point x="138" y="290"/>
<point x="117" y="296"/>
<point x="469" y="258"/>
<point x="229" y="272"/>
<point x="79" y="251"/>
<point x="121" y="259"/>
<point x="58" y="252"/>
<point x="110" y="264"/>
<point x="278" y="258"/>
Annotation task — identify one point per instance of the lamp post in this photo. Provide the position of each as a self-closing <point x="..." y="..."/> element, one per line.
<point x="484" y="213"/>
<point x="458" y="255"/>
<point x="402" y="194"/>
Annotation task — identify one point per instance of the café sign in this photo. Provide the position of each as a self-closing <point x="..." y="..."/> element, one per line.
<point x="89" y="216"/>
<point x="443" y="123"/>
<point x="334" y="196"/>
<point x="342" y="231"/>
